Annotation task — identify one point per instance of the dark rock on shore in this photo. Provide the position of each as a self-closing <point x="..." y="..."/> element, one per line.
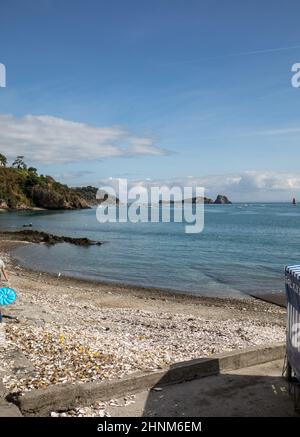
<point x="44" y="237"/>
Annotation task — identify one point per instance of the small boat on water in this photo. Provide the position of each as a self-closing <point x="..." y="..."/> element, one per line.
<point x="294" y="201"/>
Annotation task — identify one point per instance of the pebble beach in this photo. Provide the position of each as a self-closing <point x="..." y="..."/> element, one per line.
<point x="68" y="330"/>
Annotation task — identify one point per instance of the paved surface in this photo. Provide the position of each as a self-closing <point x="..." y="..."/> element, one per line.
<point x="252" y="391"/>
<point x="6" y="409"/>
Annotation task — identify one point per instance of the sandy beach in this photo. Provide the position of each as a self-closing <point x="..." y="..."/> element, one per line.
<point x="70" y="330"/>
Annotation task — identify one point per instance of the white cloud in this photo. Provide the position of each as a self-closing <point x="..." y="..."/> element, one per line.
<point x="253" y="185"/>
<point x="253" y="181"/>
<point x="245" y="186"/>
<point x="48" y="140"/>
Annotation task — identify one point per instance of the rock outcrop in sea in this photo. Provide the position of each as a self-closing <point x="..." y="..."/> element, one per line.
<point x="223" y="200"/>
<point x="220" y="199"/>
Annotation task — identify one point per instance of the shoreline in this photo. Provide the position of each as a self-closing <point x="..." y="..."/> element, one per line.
<point x="157" y="292"/>
<point x="72" y="330"/>
<point x="140" y="288"/>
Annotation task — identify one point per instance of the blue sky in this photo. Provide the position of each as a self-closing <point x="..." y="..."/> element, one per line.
<point x="155" y="89"/>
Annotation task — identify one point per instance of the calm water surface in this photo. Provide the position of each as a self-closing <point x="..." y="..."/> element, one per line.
<point x="243" y="249"/>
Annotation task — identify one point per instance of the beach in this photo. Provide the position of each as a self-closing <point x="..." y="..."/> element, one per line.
<point x="71" y="330"/>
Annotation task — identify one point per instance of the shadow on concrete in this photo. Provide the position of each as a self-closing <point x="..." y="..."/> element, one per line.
<point x="232" y="394"/>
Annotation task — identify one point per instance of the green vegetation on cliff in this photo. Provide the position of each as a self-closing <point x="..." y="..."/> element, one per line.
<point x="94" y="196"/>
<point x="23" y="188"/>
<point x="88" y="193"/>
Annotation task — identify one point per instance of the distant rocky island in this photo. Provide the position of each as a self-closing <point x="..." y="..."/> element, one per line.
<point x="220" y="200"/>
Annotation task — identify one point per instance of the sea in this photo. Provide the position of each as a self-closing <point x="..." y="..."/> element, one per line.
<point x="242" y="250"/>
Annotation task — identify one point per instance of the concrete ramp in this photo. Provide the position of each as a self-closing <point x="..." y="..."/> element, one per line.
<point x="258" y="391"/>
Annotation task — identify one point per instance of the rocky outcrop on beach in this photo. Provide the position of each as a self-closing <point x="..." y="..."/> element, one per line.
<point x="43" y="237"/>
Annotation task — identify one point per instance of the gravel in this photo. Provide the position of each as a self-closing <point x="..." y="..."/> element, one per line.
<point x="81" y="345"/>
<point x="87" y="333"/>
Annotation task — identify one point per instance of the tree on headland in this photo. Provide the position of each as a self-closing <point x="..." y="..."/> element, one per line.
<point x="3" y="160"/>
<point x="19" y="163"/>
<point x="32" y="170"/>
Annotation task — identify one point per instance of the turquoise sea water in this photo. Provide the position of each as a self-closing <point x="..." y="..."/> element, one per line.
<point x="243" y="249"/>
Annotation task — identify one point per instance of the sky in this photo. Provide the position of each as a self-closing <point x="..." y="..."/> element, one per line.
<point x="167" y="91"/>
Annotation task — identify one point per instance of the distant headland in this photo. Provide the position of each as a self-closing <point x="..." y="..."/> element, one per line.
<point x="22" y="188"/>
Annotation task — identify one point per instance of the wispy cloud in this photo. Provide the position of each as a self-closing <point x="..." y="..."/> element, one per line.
<point x="258" y="52"/>
<point x="49" y="140"/>
<point x="238" y="54"/>
<point x="279" y="131"/>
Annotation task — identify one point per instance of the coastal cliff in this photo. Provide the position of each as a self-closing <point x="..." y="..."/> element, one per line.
<point x="23" y="189"/>
<point x="95" y="196"/>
